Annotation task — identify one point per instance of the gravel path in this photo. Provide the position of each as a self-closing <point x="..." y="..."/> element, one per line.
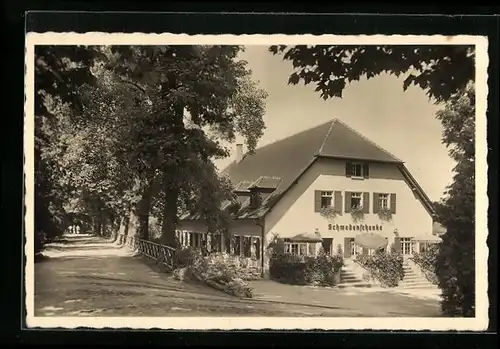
<point x="89" y="276"/>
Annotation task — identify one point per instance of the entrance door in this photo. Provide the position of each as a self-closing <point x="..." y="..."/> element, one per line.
<point x="406" y="246"/>
<point x="327" y="245"/>
<point x="355" y="249"/>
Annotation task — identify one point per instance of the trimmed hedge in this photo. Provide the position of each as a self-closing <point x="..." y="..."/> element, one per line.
<point x="387" y="268"/>
<point x="305" y="270"/>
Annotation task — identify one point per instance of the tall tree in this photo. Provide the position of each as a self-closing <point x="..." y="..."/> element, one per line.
<point x="191" y="88"/>
<point x="456" y="261"/>
<point x="59" y="71"/>
<point x="440" y="70"/>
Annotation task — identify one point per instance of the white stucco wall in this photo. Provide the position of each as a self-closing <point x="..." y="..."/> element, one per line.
<point x="294" y="213"/>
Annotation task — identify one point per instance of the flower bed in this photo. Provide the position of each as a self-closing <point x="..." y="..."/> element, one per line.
<point x="427" y="262"/>
<point x="321" y="270"/>
<point x="216" y="271"/>
<point x="387" y="268"/>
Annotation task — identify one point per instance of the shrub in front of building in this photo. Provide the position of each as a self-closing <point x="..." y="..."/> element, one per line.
<point x="321" y="270"/>
<point x="183" y="256"/>
<point x="215" y="271"/>
<point x="387" y="268"/>
<point x="426" y="260"/>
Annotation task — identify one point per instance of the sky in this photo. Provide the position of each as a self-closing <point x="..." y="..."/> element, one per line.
<point x="402" y="122"/>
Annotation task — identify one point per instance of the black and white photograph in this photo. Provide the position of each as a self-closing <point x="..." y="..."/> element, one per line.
<point x="251" y="182"/>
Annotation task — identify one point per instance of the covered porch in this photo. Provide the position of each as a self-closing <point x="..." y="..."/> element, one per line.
<point x="422" y="243"/>
<point x="246" y="249"/>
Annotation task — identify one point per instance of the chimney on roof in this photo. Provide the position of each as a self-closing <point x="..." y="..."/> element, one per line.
<point x="239" y="152"/>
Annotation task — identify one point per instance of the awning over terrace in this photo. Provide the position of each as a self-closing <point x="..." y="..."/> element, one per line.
<point x="307" y="237"/>
<point x="370" y="240"/>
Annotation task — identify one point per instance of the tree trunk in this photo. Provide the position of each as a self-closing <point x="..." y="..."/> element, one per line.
<point x="133" y="222"/>
<point x="126" y="224"/>
<point x="171" y="174"/>
<point x="99" y="220"/>
<point x="169" y="209"/>
<point x="144" y="208"/>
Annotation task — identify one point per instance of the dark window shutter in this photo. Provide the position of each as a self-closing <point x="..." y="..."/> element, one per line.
<point x="393" y="203"/>
<point x="317" y="200"/>
<point x="347" y="247"/>
<point x="366" y="170"/>
<point x="338" y="202"/>
<point x="280" y="246"/>
<point x="366" y="202"/>
<point x="348" y="169"/>
<point x="376" y="203"/>
<point x="397" y="244"/>
<point x="347" y="202"/>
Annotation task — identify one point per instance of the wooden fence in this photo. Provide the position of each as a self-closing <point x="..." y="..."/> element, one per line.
<point x="159" y="253"/>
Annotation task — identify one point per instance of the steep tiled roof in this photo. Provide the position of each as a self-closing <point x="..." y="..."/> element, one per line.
<point x="344" y="142"/>
<point x="278" y="165"/>
<point x="286" y="158"/>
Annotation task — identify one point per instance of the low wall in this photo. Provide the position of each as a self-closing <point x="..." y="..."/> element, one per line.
<point x="428" y="275"/>
<point x="360" y="272"/>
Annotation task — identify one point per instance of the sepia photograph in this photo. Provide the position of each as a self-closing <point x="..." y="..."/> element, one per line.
<point x="253" y="182"/>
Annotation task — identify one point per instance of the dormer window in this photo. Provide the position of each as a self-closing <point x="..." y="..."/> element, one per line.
<point x="255" y="199"/>
<point x="357" y="170"/>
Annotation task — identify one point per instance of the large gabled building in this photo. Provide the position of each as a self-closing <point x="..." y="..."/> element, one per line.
<point x="327" y="186"/>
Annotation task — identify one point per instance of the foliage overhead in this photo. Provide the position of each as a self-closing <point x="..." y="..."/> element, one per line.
<point x="112" y="119"/>
<point x="441" y="71"/>
<point x="60" y="71"/>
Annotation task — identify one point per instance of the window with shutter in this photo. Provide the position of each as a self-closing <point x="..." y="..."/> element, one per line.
<point x="338" y="202"/>
<point x="347" y="201"/>
<point x="348" y="169"/>
<point x="347" y="247"/>
<point x="356" y="200"/>
<point x="383" y="201"/>
<point x="366" y="170"/>
<point x="393" y="203"/>
<point x="317" y="200"/>
<point x="326" y="199"/>
<point x="376" y="202"/>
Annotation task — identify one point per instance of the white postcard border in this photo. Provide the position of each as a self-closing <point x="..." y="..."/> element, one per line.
<point x="480" y="322"/>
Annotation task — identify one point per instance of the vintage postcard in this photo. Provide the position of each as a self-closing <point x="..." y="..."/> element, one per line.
<point x="256" y="182"/>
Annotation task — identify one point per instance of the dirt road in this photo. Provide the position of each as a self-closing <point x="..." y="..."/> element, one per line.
<point x="88" y="276"/>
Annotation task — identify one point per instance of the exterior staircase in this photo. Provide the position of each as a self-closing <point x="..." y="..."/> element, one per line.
<point x="414" y="280"/>
<point x="348" y="278"/>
